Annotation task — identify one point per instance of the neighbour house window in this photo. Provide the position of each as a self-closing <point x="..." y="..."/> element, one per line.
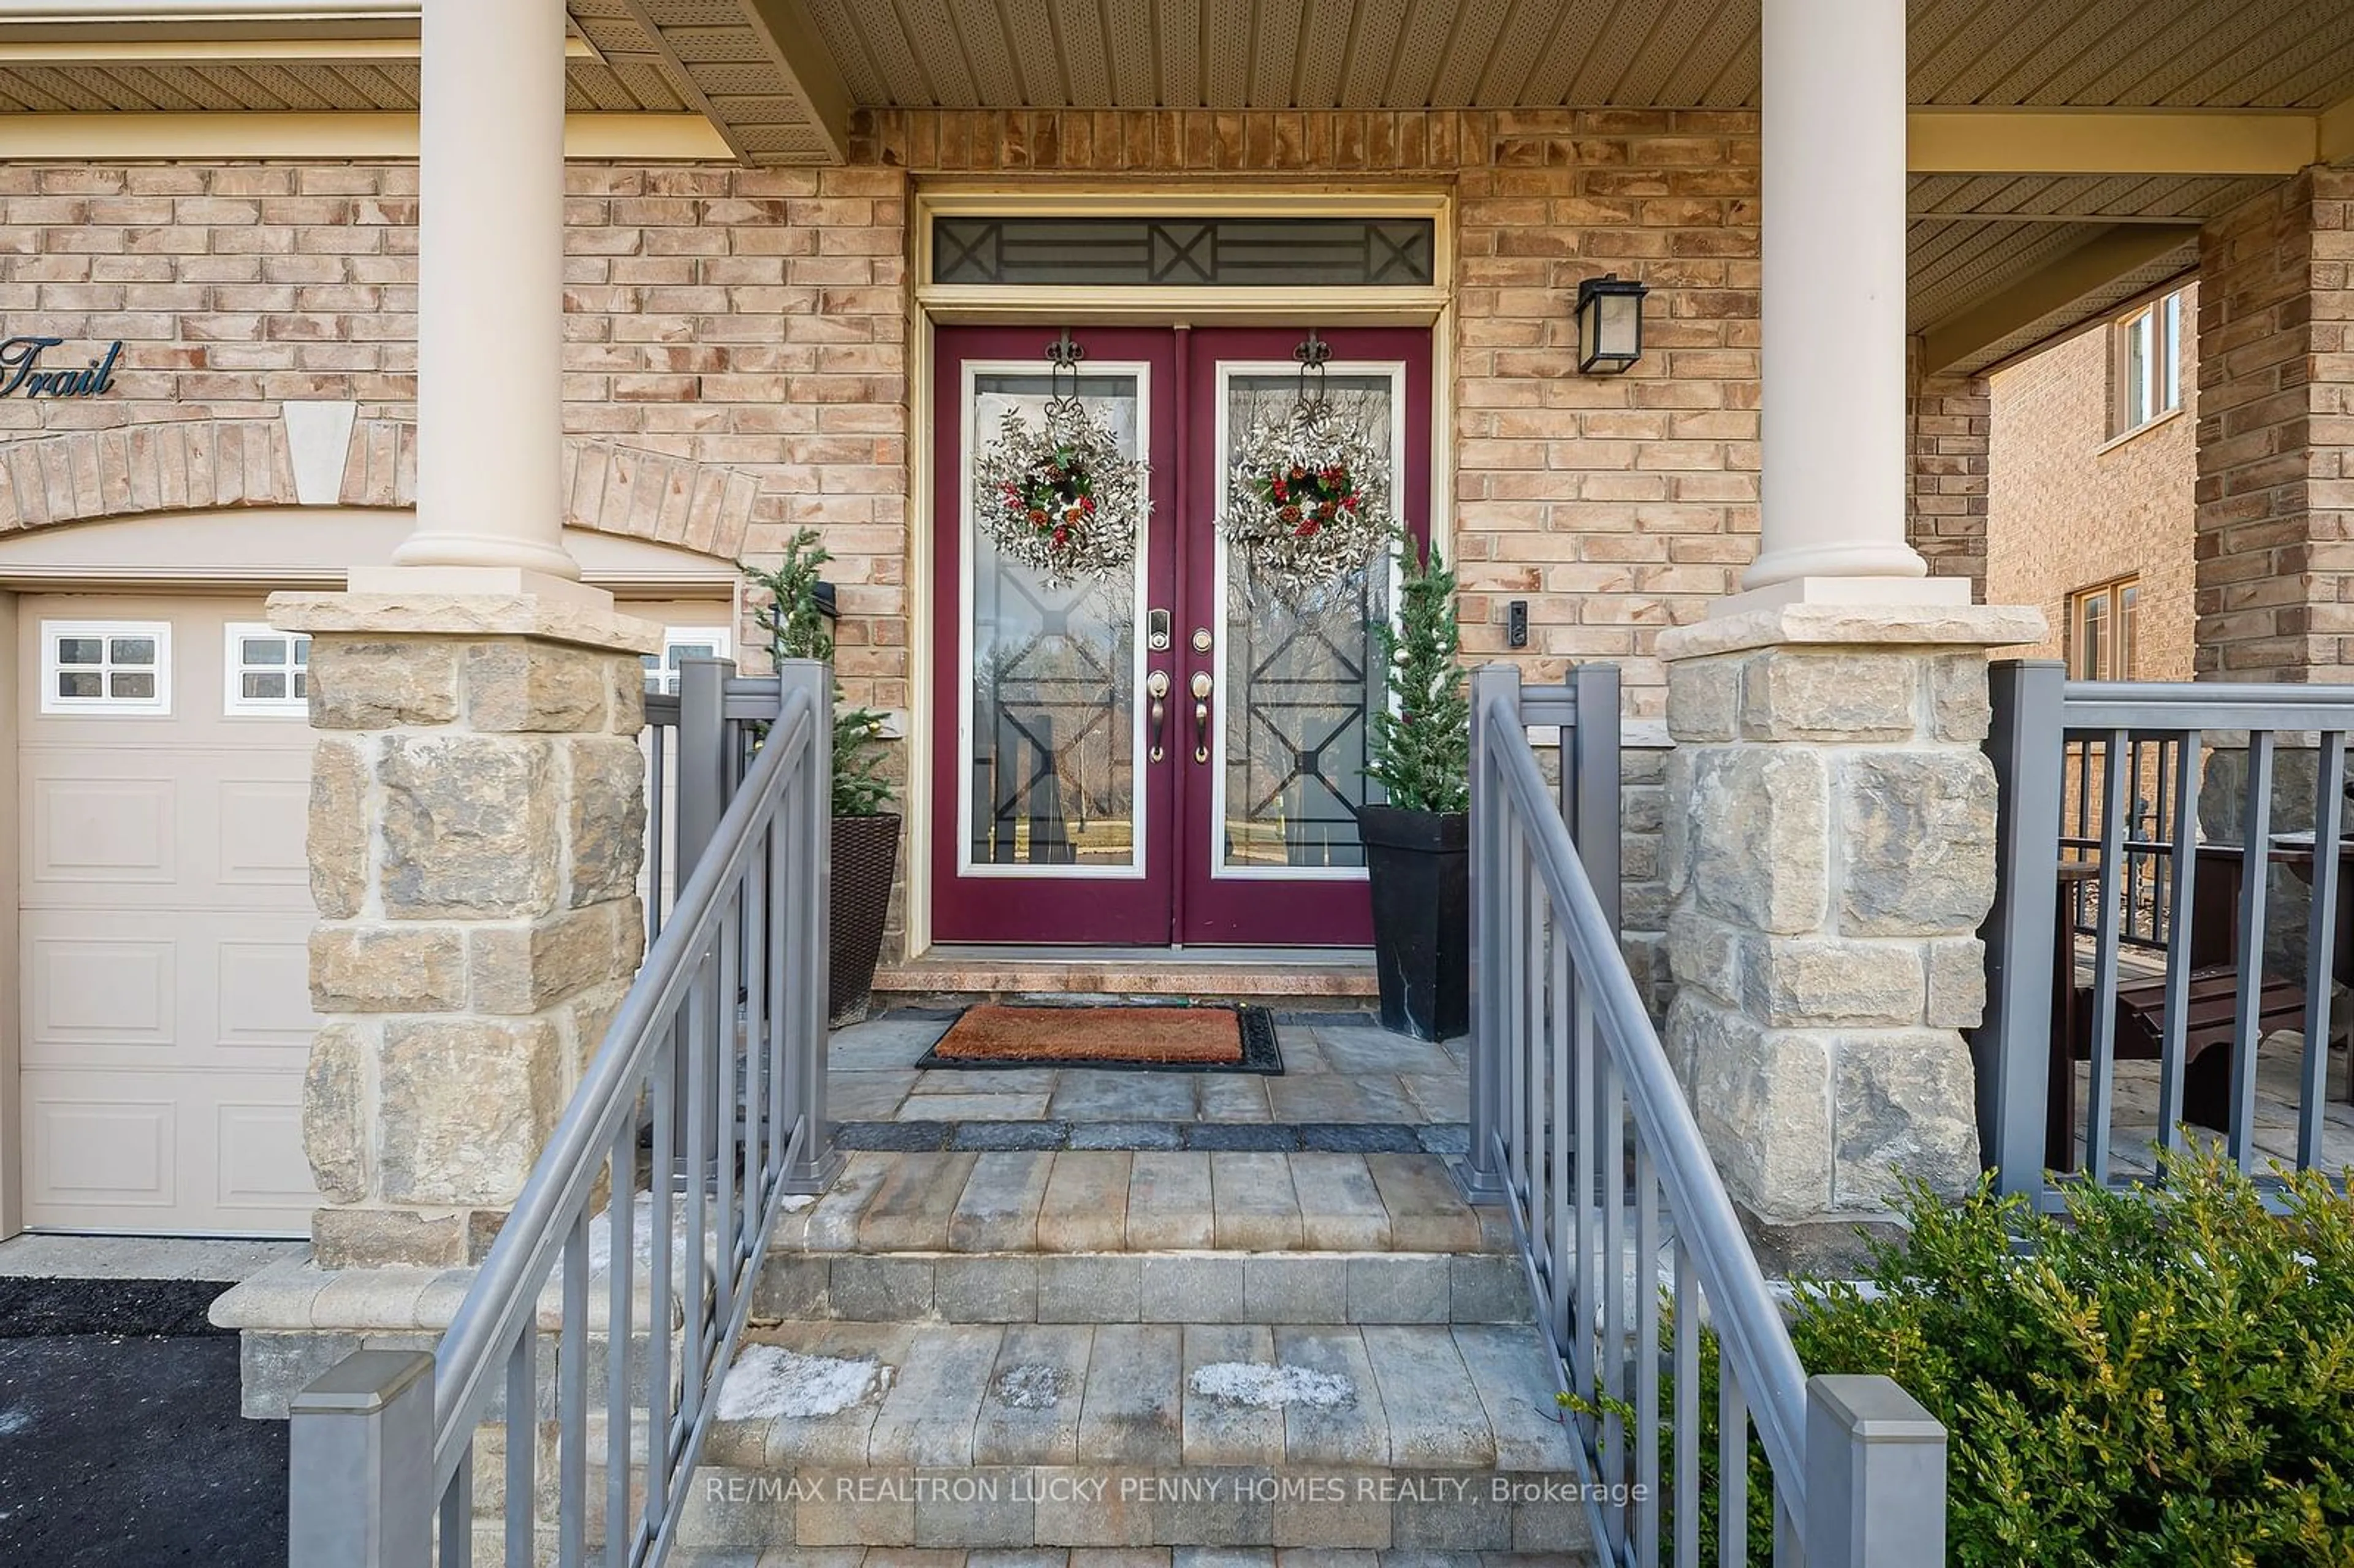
<point x="106" y="666"/>
<point x="2146" y="360"/>
<point x="683" y="643"/>
<point x="266" y="671"/>
<point x="2102" y="631"/>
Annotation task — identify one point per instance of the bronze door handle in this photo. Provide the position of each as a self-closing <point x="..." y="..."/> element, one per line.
<point x="1156" y="685"/>
<point x="1201" y="684"/>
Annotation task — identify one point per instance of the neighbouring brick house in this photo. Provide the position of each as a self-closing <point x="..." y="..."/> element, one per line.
<point x="802" y="275"/>
<point x="2091" y="515"/>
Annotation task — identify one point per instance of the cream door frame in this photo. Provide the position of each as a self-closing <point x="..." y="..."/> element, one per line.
<point x="934" y="305"/>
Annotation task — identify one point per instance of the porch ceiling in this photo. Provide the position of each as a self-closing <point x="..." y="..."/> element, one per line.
<point x="266" y="81"/>
<point x="717" y="58"/>
<point x="1409" y="53"/>
<point x="765" y="69"/>
<point x="1976" y="289"/>
<point x="778" y="80"/>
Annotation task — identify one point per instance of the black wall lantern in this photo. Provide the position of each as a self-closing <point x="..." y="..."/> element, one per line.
<point x="1609" y="324"/>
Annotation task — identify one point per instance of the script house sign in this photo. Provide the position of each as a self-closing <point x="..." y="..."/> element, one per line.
<point x="22" y="373"/>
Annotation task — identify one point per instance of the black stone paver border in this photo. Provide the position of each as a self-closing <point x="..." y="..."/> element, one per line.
<point x="1224" y="1136"/>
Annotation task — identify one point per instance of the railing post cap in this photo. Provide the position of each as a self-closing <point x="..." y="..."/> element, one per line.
<point x="1873" y="1407"/>
<point x="362" y="1383"/>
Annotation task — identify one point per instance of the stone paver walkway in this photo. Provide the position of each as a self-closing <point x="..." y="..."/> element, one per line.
<point x="1338" y="1068"/>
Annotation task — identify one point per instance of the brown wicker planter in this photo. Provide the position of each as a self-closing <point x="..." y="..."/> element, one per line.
<point x="866" y="860"/>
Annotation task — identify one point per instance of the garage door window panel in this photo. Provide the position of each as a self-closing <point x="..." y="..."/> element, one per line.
<point x="683" y="643"/>
<point x="106" y="667"/>
<point x="269" y="672"/>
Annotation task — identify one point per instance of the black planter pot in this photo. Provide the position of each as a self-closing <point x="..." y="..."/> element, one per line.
<point x="1420" y="865"/>
<point x="866" y="860"/>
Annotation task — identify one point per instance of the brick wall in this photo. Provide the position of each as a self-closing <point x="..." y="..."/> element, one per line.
<point x="1613" y="505"/>
<point x="2070" y="509"/>
<point x="753" y="321"/>
<point x="2275" y="487"/>
<point x="1946" y="423"/>
<point x="756" y="322"/>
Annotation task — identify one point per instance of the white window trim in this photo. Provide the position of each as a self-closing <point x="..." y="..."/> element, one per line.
<point x="54" y="631"/>
<point x="235" y="704"/>
<point x="722" y="640"/>
<point x="2158" y="326"/>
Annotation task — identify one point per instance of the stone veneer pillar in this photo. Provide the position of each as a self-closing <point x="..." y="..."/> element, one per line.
<point x="1829" y="844"/>
<point x="476" y="830"/>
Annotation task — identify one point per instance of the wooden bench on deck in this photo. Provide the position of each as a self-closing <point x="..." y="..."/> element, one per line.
<point x="2141" y="1018"/>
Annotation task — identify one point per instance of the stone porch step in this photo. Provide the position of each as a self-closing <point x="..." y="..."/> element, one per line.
<point x="1144" y="1287"/>
<point x="1119" y="1200"/>
<point x="1428" y="1437"/>
<point x="1113" y="1557"/>
<point x="1270" y="977"/>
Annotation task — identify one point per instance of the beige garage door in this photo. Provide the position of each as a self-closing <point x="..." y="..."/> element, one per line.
<point x="162" y="769"/>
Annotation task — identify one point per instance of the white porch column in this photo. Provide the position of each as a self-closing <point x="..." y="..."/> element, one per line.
<point x="1833" y="308"/>
<point x="490" y="305"/>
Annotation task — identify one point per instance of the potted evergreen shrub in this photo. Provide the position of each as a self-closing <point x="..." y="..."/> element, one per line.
<point x="1417" y="844"/>
<point x="866" y="830"/>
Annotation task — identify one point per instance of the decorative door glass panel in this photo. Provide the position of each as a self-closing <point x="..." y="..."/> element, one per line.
<point x="1053" y="737"/>
<point x="1214" y="252"/>
<point x="1299" y="673"/>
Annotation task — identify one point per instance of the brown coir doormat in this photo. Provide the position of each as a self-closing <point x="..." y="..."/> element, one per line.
<point x="1159" y="1039"/>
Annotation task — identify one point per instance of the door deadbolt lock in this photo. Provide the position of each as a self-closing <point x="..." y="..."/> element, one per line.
<point x="1156" y="630"/>
<point x="1201" y="640"/>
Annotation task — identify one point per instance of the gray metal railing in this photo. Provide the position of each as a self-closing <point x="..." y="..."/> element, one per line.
<point x="1580" y="1127"/>
<point x="700" y="742"/>
<point x="726" y="1023"/>
<point x="2232" y="960"/>
<point x="2155" y="778"/>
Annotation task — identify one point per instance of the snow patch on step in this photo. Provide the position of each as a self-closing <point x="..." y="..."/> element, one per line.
<point x="1270" y="1385"/>
<point x="771" y="1380"/>
<point x="642" y="1233"/>
<point x="1033" y="1385"/>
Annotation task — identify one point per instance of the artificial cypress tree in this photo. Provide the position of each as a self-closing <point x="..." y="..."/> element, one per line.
<point x="1422" y="733"/>
<point x="796" y="629"/>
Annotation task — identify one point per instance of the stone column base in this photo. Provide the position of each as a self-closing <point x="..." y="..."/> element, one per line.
<point x="476" y="831"/>
<point x="476" y="835"/>
<point x="1829" y="851"/>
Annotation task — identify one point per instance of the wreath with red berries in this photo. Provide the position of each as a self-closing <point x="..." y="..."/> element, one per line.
<point x="1062" y="498"/>
<point x="1311" y="499"/>
<point x="1309" y="502"/>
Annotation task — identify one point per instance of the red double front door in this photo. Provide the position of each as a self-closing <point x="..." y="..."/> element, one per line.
<point x="1167" y="752"/>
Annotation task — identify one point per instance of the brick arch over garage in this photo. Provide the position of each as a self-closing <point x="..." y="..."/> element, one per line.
<point x="203" y="464"/>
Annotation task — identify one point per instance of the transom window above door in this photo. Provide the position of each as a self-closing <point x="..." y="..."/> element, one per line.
<point x="106" y="667"/>
<point x="1186" y="252"/>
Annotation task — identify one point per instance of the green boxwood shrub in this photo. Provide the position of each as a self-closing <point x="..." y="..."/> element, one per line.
<point x="2159" y="1378"/>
